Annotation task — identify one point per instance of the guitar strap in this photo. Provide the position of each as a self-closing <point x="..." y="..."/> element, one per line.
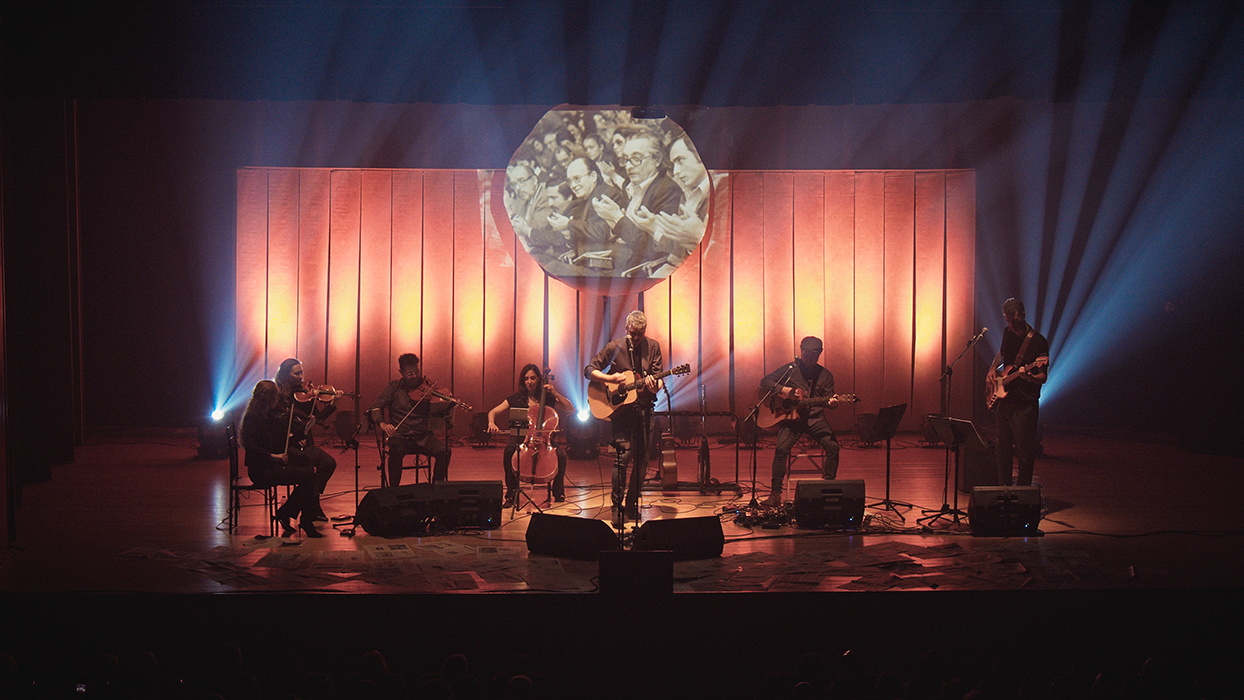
<point x="1023" y="347"/>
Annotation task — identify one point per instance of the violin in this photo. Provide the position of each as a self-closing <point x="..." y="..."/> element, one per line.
<point x="427" y="391"/>
<point x="324" y="392"/>
<point x="537" y="458"/>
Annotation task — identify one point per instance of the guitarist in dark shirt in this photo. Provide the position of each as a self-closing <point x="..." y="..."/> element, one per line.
<point x="1025" y="353"/>
<point x="636" y="353"/>
<point x="803" y="376"/>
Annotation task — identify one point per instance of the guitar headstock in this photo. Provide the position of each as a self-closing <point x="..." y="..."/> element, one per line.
<point x="681" y="369"/>
<point x="848" y="398"/>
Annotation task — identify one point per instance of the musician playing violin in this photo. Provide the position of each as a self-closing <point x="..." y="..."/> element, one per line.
<point x="411" y="402"/>
<point x="803" y="378"/>
<point x="528" y="398"/>
<point x="304" y="402"/>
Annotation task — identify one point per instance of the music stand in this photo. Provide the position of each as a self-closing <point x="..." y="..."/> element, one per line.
<point x="519" y="425"/>
<point x="953" y="432"/>
<point x="884" y="428"/>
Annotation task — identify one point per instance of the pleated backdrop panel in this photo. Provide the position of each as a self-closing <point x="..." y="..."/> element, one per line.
<point x="346" y="269"/>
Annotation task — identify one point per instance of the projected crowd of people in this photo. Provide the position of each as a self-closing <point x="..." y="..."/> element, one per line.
<point x="598" y="193"/>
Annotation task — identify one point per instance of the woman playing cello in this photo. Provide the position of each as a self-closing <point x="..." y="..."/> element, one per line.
<point x="530" y="389"/>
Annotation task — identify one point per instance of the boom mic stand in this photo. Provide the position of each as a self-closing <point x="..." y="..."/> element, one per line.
<point x="754" y="415"/>
<point x="951" y="445"/>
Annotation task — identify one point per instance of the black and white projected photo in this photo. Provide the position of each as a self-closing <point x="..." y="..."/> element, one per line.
<point x="600" y="193"/>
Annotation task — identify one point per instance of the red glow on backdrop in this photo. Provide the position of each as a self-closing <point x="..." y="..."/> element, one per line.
<point x="346" y="269"/>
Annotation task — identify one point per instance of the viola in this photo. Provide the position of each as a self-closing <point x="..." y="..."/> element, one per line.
<point x="537" y="457"/>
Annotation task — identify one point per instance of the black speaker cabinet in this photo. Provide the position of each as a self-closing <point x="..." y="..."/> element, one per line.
<point x="1005" y="511"/>
<point x="459" y="504"/>
<point x="399" y="511"/>
<point x="573" y="538"/>
<point x="980" y="468"/>
<point x="687" y="538"/>
<point x="637" y="574"/>
<point x="835" y="504"/>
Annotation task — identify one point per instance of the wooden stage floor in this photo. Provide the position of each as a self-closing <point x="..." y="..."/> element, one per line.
<point x="140" y="512"/>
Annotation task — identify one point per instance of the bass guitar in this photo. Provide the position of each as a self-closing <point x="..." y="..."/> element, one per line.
<point x="606" y="397"/>
<point x="1003" y="376"/>
<point x="777" y="409"/>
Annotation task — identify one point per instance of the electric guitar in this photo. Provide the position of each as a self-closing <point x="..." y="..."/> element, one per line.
<point x="777" y="409"/>
<point x="1003" y="376"/>
<point x="606" y="397"/>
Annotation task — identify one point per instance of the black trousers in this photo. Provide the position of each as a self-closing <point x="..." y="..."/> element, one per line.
<point x="304" y="500"/>
<point x="427" y="444"/>
<point x="1017" y="438"/>
<point x="789" y="433"/>
<point x="630" y="445"/>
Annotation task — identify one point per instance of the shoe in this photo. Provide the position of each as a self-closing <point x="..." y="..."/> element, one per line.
<point x="773" y="501"/>
<point x="509" y="501"/>
<point x="632" y="512"/>
<point x="618" y="522"/>
<point x="559" y="499"/>
<point x="308" y="528"/>
<point x="287" y="530"/>
<point x="319" y="516"/>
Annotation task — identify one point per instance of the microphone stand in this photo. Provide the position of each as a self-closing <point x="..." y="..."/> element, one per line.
<point x="948" y="376"/>
<point x="352" y="442"/>
<point x="755" y="414"/>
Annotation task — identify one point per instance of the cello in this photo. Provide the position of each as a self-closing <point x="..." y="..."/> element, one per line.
<point x="537" y="457"/>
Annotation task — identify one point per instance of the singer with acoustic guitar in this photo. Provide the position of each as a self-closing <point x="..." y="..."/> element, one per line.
<point x="803" y="380"/>
<point x="540" y="462"/>
<point x="1014" y="385"/>
<point x="632" y="359"/>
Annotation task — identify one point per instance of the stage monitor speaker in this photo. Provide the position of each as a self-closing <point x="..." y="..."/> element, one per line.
<point x="398" y="511"/>
<point x="637" y="574"/>
<point x="573" y="538"/>
<point x="687" y="538"/>
<point x="833" y="504"/>
<point x="460" y="504"/>
<point x="1005" y="511"/>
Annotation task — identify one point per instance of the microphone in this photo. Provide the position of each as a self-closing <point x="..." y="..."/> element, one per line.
<point x="979" y="335"/>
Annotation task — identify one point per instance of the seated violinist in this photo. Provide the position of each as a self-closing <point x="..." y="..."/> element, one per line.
<point x="305" y="406"/>
<point x="270" y="462"/>
<point x="533" y="456"/>
<point x="411" y="402"/>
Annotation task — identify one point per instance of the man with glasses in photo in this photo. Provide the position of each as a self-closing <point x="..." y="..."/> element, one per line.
<point x="650" y="192"/>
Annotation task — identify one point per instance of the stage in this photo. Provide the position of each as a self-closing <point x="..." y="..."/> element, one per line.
<point x="126" y="550"/>
<point x="142" y="512"/>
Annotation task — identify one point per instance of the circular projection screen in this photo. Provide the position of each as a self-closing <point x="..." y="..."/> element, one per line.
<point x="606" y="202"/>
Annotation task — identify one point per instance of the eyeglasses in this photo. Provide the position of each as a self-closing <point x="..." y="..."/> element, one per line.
<point x="636" y="159"/>
<point x="576" y="179"/>
<point x="520" y="181"/>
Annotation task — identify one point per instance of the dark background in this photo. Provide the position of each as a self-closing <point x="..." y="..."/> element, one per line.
<point x="122" y="129"/>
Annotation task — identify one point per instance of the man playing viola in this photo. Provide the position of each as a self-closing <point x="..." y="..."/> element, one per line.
<point x="411" y="404"/>
<point x="528" y="398"/>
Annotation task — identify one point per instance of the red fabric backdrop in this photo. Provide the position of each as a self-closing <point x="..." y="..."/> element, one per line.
<point x="348" y="268"/>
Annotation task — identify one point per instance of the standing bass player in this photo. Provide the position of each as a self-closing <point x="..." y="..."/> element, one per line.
<point x="1015" y="392"/>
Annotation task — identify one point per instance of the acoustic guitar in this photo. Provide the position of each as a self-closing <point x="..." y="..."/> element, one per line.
<point x="606" y="397"/>
<point x="777" y="409"/>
